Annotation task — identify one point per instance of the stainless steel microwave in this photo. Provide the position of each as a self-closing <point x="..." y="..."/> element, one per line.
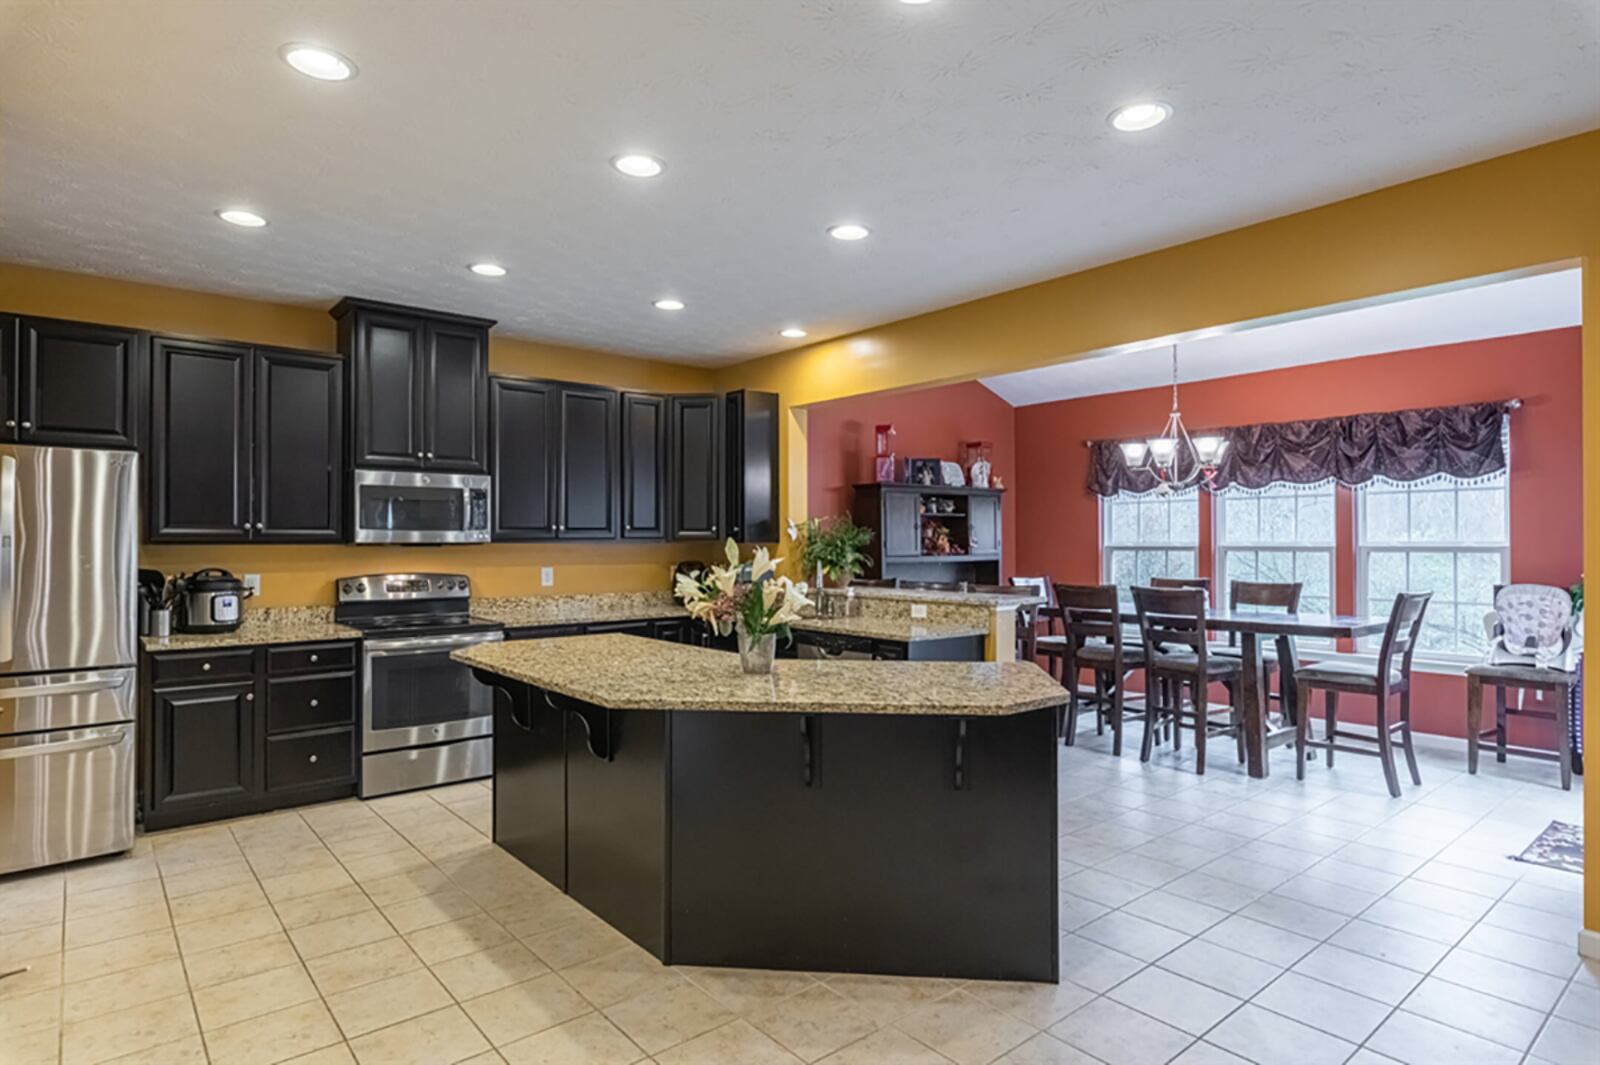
<point x="418" y="507"/>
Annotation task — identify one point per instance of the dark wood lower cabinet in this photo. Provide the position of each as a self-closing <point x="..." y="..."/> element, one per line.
<point x="239" y="731"/>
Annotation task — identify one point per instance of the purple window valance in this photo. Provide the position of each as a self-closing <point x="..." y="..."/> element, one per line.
<point x="1406" y="445"/>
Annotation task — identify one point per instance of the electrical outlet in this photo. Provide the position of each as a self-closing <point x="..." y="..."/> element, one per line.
<point x="252" y="583"/>
<point x="919" y="610"/>
<point x="547" y="576"/>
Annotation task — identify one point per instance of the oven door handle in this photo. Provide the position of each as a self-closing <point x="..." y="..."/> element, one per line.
<point x="413" y="645"/>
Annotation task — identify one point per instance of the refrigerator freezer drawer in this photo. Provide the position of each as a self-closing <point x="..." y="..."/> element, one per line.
<point x="65" y="795"/>
<point x="66" y="700"/>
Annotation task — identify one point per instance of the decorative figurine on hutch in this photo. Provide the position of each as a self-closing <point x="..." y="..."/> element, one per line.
<point x="979" y="466"/>
<point x="884" y="461"/>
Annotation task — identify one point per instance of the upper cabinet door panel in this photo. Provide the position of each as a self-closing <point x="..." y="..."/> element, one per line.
<point x="387" y="365"/>
<point x="644" y="466"/>
<point x="200" y="442"/>
<point x="8" y="377"/>
<point x="695" y="486"/>
<point x="983" y="518"/>
<point x="902" y="524"/>
<point x="299" y="446"/>
<point x="522" y="452"/>
<point x="750" y="421"/>
<point x="456" y="397"/>
<point x="79" y="384"/>
<point x="588" y="481"/>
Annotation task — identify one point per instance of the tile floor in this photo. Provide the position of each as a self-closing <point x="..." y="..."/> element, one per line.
<point x="1204" y="920"/>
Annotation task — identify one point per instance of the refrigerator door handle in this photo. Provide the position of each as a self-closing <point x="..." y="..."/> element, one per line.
<point x="71" y="687"/>
<point x="91" y="743"/>
<point x="8" y="557"/>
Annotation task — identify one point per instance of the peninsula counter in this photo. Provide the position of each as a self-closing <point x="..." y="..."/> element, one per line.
<point x="838" y="816"/>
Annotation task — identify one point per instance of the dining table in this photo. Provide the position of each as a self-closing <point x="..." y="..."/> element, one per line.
<point x="1250" y="626"/>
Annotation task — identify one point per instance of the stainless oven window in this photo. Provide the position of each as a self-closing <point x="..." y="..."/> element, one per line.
<point x="411" y="508"/>
<point x="416" y="688"/>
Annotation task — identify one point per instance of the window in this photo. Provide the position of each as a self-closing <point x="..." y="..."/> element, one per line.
<point x="1144" y="536"/>
<point x="1444" y="536"/>
<point x="1280" y="534"/>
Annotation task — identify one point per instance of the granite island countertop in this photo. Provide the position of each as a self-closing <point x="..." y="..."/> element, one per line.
<point x="262" y="627"/>
<point x="896" y="629"/>
<point x="933" y="595"/>
<point x="634" y="673"/>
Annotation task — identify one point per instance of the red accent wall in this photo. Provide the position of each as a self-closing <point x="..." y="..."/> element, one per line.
<point x="1058" y="530"/>
<point x="929" y="423"/>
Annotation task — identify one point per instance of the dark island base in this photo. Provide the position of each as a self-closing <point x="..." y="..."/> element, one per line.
<point x="881" y="843"/>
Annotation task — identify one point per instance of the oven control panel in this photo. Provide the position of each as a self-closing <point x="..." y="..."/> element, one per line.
<point x="399" y="587"/>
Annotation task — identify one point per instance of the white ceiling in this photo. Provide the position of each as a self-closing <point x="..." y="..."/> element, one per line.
<point x="1505" y="308"/>
<point x="970" y="135"/>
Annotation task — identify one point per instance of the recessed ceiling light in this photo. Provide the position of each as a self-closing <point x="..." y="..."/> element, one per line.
<point x="848" y="231"/>
<point x="1136" y="118"/>
<point x="669" y="304"/>
<point x="638" y="165"/>
<point x="240" y="217"/>
<point x="315" y="61"/>
<point x="794" y="332"/>
<point x="914" y="3"/>
<point x="488" y="269"/>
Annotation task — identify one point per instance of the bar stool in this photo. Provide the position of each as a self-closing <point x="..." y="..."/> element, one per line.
<point x="1172" y="623"/>
<point x="1379" y="681"/>
<point x="1092" y="639"/>
<point x="1032" y="645"/>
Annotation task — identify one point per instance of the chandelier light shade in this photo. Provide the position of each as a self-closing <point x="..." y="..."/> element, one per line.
<point x="1173" y="458"/>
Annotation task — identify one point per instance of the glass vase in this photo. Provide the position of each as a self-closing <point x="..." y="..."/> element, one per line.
<point x="756" y="653"/>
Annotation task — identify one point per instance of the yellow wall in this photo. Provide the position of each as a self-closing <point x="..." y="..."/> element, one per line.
<point x="1531" y="208"/>
<point x="295" y="574"/>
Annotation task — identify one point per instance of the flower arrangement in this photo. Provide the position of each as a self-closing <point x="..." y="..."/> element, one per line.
<point x="759" y="604"/>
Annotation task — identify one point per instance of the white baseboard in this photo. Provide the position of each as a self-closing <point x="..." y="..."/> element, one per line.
<point x="1589" y="943"/>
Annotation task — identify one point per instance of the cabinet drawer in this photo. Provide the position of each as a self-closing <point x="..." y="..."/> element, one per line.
<point x="189" y="667"/>
<point x="311" y="657"/>
<point x="310" y="702"/>
<point x="310" y="758"/>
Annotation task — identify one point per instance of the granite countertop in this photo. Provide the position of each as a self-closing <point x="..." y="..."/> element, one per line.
<point x="527" y="610"/>
<point x="901" y="630"/>
<point x="265" y="626"/>
<point x="927" y="595"/>
<point x="634" y="673"/>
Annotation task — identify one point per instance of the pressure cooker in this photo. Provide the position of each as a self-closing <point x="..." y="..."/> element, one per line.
<point x="210" y="600"/>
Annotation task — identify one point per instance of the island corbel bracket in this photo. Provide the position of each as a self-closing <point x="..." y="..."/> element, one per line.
<point x="961" y="754"/>
<point x="596" y="721"/>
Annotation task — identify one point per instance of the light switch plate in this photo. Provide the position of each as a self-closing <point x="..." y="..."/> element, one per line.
<point x="919" y="610"/>
<point x="547" y="576"/>
<point x="252" y="583"/>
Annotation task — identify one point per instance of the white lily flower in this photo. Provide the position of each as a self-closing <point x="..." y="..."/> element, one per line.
<point x="731" y="551"/>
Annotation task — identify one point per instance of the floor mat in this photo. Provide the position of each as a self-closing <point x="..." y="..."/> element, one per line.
<point x="1560" y="847"/>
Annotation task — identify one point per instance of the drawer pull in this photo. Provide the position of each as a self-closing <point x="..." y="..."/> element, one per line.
<point x="312" y="759"/>
<point x="313" y="704"/>
<point x="205" y="667"/>
<point x="249" y="697"/>
<point x="313" y="658"/>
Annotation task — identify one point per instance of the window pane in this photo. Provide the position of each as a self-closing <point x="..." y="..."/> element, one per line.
<point x="1433" y="571"/>
<point x="1469" y="630"/>
<point x="1314" y="604"/>
<point x="1477" y="574"/>
<point x="1277" y="567"/>
<point x="1313" y="570"/>
<point x="1153" y="522"/>
<point x="1433" y="517"/>
<point x="1483" y="516"/>
<point x="1277" y="519"/>
<point x="1385" y="516"/>
<point x="1239" y="520"/>
<point x="1386" y="578"/>
<point x="1186" y="519"/>
<point x="1179" y="564"/>
<point x="1151" y="564"/>
<point x="1238" y="566"/>
<point x="1124" y="524"/>
<point x="1316" y="517"/>
<point x="1124" y="568"/>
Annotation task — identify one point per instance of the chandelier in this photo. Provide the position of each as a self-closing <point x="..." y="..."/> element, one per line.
<point x="1175" y="459"/>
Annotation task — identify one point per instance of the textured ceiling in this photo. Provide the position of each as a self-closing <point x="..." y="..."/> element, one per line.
<point x="969" y="134"/>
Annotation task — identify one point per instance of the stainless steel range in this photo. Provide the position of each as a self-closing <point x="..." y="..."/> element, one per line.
<point x="424" y="719"/>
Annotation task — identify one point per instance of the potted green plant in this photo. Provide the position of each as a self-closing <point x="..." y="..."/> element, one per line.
<point x="833" y="549"/>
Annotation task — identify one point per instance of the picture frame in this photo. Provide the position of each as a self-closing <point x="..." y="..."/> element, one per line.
<point x="923" y="471"/>
<point x="951" y="475"/>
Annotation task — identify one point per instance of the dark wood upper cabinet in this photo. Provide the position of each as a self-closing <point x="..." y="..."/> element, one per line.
<point x="245" y="444"/>
<point x="587" y="484"/>
<point x="71" y="383"/>
<point x="644" y="466"/>
<point x="418" y="386"/>
<point x="299" y="446"/>
<point x="694" y="468"/>
<point x="200" y="441"/>
<point x="523" y="445"/>
<point x="750" y="429"/>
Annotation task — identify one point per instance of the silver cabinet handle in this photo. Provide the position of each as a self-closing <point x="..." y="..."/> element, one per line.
<point x="313" y="704"/>
<point x="419" y="454"/>
<point x="312" y="759"/>
<point x="313" y="658"/>
<point x="249" y="697"/>
<point x="430" y="454"/>
<point x="27" y="425"/>
<point x="205" y="667"/>
<point x="11" y="423"/>
<point x="259" y="526"/>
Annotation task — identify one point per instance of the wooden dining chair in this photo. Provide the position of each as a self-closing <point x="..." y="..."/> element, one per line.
<point x="1033" y="645"/>
<point x="1092" y="639"/>
<point x="1380" y="680"/>
<point x="1202" y="583"/>
<point x="1267" y="595"/>
<point x="1178" y="660"/>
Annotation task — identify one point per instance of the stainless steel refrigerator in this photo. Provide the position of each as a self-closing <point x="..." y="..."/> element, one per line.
<point x="68" y="547"/>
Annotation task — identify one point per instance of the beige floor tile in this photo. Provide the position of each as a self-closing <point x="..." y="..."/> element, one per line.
<point x="964" y="1029"/>
<point x="391" y="863"/>
<point x="451" y="939"/>
<point x="384" y="1002"/>
<point x="364" y="964"/>
<point x="341" y="933"/>
<point x="250" y="956"/>
<point x="586" y="1040"/>
<point x="312" y="881"/>
<point x="190" y="1050"/>
<point x="536" y="912"/>
<point x="484" y="971"/>
<point x="575" y="942"/>
<point x="37" y="1009"/>
<point x="208" y="878"/>
<point x="85" y="963"/>
<point x="217" y="902"/>
<point x="31" y="942"/>
<point x="110" y="899"/>
<point x="40" y="1046"/>
<point x="230" y="928"/>
<point x="339" y="1054"/>
<point x="522" y="1009"/>
<point x="411" y="884"/>
<point x="886" y="997"/>
<point x="444" y="1037"/>
<point x="116" y="924"/>
<point x="741" y="990"/>
<point x="1040" y="1005"/>
<point x="109" y="872"/>
<point x="886" y="1046"/>
<point x="668" y="1016"/>
<point x="252" y="996"/>
<point x="25" y="912"/>
<point x="429" y="910"/>
<point x="124" y="1032"/>
<point x="610" y="978"/>
<point x="37" y="974"/>
<point x="814" y="1022"/>
<point x="123" y="990"/>
<point x="732" y="1042"/>
<point x="323" y="906"/>
<point x="274" y="1037"/>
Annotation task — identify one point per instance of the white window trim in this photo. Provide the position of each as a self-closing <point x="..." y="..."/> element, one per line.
<point x="1445" y="662"/>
